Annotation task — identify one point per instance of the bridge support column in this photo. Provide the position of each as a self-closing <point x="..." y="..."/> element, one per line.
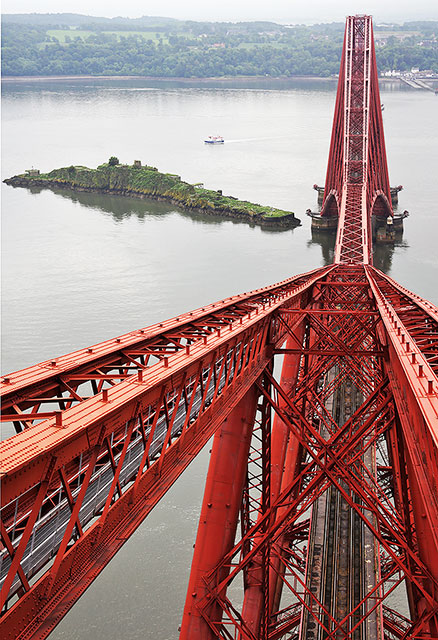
<point x="219" y="515"/>
<point x="255" y="597"/>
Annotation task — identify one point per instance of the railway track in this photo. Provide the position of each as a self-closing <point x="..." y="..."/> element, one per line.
<point x="337" y="571"/>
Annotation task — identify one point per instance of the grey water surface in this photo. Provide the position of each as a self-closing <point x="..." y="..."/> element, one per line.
<point x="78" y="268"/>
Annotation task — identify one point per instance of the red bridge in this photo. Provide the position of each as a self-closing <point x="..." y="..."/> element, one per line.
<point x="322" y="493"/>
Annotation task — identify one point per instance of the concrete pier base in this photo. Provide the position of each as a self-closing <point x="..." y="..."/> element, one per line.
<point x="320" y="191"/>
<point x="388" y="233"/>
<point x="324" y="224"/>
<point x="394" y="194"/>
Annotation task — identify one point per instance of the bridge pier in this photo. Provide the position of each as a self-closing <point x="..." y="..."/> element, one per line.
<point x="388" y="230"/>
<point x="323" y="224"/>
<point x="382" y="232"/>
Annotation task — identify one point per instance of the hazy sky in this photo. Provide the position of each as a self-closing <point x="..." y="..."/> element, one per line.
<point x="234" y="10"/>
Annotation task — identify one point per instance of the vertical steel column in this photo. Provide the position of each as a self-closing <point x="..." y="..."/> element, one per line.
<point x="285" y="453"/>
<point x="292" y="467"/>
<point x="255" y="605"/>
<point x="219" y="513"/>
<point x="255" y="596"/>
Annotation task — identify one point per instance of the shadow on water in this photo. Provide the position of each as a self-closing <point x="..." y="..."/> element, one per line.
<point x="382" y="254"/>
<point x="123" y="207"/>
<point x="327" y="243"/>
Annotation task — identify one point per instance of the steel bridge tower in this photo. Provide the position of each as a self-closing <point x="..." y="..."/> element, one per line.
<point x="321" y="498"/>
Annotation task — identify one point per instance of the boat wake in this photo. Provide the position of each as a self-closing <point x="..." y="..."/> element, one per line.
<point x="254" y="139"/>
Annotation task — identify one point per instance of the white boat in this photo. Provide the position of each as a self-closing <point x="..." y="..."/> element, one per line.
<point x="214" y="140"/>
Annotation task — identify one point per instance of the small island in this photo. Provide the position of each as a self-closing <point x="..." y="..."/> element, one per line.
<point x="143" y="181"/>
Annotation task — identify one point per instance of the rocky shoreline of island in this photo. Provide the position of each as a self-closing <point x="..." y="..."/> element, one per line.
<point x="144" y="181"/>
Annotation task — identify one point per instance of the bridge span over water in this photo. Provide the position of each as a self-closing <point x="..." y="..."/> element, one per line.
<point x="321" y="498"/>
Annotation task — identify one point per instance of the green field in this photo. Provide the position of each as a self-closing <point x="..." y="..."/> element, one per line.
<point x="272" y="45"/>
<point x="71" y="33"/>
<point x="61" y="34"/>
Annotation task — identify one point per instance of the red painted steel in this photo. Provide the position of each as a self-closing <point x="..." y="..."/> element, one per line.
<point x="350" y="426"/>
<point x="339" y="463"/>
<point x="357" y="183"/>
<point x="220" y="510"/>
<point x="67" y="380"/>
<point x="135" y="439"/>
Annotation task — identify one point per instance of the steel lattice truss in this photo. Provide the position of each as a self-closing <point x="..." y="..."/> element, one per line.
<point x="69" y="480"/>
<point x="348" y="335"/>
<point x="322" y="493"/>
<point x="70" y="477"/>
<point x="357" y="183"/>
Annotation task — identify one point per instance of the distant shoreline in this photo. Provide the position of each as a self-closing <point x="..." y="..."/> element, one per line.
<point x="164" y="78"/>
<point x="219" y="79"/>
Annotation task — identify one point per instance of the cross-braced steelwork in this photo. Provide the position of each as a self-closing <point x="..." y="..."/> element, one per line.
<point x="321" y="499"/>
<point x="357" y="183"/>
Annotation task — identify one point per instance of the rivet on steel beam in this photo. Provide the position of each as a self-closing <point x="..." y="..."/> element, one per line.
<point x="218" y="333"/>
<point x="141" y="330"/>
<point x="161" y="324"/>
<point x="90" y="350"/>
<point x="209" y="505"/>
<point x="204" y="339"/>
<point x="230" y="326"/>
<point x="420" y="370"/>
<point x="430" y="386"/>
<point x="177" y="319"/>
<point x="188" y="349"/>
<point x="58" y="418"/>
<point x="104" y="395"/>
<point x="6" y="380"/>
<point x="166" y="361"/>
<point x="140" y="375"/>
<point x="240" y="320"/>
<point x="117" y="339"/>
<point x="53" y="363"/>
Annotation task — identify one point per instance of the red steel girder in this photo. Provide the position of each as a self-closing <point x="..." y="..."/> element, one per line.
<point x="67" y="380"/>
<point x="357" y="172"/>
<point x="220" y="509"/>
<point x="340" y="464"/>
<point x="160" y="418"/>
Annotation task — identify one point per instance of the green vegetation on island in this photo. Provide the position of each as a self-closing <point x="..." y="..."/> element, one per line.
<point x="69" y="44"/>
<point x="145" y="181"/>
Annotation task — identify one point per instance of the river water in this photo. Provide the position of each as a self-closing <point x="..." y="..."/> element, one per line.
<point x="80" y="268"/>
